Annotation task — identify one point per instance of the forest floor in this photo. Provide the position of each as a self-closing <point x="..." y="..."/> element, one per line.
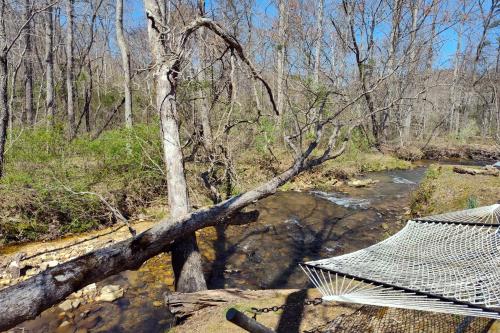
<point x="325" y="317"/>
<point x="295" y="317"/>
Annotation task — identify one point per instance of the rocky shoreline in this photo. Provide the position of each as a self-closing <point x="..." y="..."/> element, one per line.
<point x="84" y="309"/>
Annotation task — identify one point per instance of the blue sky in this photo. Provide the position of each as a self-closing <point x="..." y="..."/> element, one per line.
<point x="135" y="17"/>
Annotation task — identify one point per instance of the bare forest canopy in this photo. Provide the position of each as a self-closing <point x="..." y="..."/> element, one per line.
<point x="225" y="78"/>
<point x="425" y="67"/>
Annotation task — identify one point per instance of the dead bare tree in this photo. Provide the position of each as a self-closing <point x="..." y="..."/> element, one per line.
<point x="122" y="43"/>
<point x="70" y="88"/>
<point x="169" y="50"/>
<point x="281" y="57"/>
<point x="28" y="66"/>
<point x="186" y="260"/>
<point x="49" y="60"/>
<point x="319" y="42"/>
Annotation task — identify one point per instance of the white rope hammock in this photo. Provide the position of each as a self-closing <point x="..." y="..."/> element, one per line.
<point x="448" y="263"/>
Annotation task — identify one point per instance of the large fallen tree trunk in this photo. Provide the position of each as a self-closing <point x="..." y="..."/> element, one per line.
<point x="488" y="171"/>
<point x="27" y="299"/>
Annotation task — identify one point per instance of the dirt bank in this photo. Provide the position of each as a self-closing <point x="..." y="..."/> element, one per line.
<point x="473" y="152"/>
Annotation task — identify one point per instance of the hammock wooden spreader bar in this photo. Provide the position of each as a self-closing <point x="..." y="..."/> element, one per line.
<point x="447" y="263"/>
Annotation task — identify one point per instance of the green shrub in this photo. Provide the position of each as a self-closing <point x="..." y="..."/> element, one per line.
<point x="421" y="203"/>
<point x="472" y="202"/>
<point x="44" y="169"/>
<point x="266" y="135"/>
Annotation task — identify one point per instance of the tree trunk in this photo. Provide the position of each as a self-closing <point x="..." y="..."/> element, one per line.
<point x="186" y="259"/>
<point x="203" y="102"/>
<point x="12" y="94"/>
<point x="28" y="66"/>
<point x="280" y="85"/>
<point x="394" y="81"/>
<point x="317" y="51"/>
<point x="4" y="107"/>
<point x="125" y="62"/>
<point x="455" y="97"/>
<point x="49" y="60"/>
<point x="4" y="104"/>
<point x="416" y="5"/>
<point x="364" y="73"/>
<point x="70" y="89"/>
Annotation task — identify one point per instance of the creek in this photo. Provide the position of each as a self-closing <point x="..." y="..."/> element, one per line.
<point x="292" y="227"/>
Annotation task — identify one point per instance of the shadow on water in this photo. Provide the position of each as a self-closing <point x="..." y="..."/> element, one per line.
<point x="251" y="252"/>
<point x="299" y="226"/>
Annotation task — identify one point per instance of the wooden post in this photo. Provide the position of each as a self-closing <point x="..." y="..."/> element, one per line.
<point x="248" y="324"/>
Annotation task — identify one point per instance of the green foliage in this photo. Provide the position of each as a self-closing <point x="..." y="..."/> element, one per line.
<point x="44" y="169"/>
<point x="358" y="142"/>
<point x="266" y="136"/>
<point x="357" y="146"/>
<point x="472" y="202"/>
<point x="469" y="130"/>
<point x="385" y="163"/>
<point x="110" y="98"/>
<point x="421" y="202"/>
<point x="446" y="191"/>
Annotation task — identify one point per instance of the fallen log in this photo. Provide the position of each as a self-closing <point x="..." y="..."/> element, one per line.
<point x="29" y="298"/>
<point x="251" y="325"/>
<point x="488" y="171"/>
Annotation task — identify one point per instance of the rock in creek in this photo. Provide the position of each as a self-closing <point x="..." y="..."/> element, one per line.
<point x="66" y="305"/>
<point x="361" y="182"/>
<point x="53" y="263"/>
<point x="110" y="293"/>
<point x="14" y="269"/>
<point x="70" y="304"/>
<point x="15" y="265"/>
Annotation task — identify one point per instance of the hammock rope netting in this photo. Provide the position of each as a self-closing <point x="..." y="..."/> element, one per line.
<point x="447" y="263"/>
<point x="374" y="319"/>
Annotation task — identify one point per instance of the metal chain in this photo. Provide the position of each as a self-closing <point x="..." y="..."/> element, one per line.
<point x="314" y="302"/>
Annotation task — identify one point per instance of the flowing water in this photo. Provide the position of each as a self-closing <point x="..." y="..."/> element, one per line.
<point x="292" y="227"/>
<point x="298" y="226"/>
